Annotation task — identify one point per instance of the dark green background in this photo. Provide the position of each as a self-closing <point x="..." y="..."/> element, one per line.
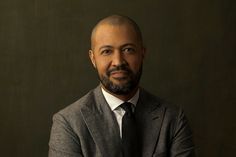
<point x="44" y="65"/>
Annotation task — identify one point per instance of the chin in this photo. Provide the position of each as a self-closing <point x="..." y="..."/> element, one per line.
<point x="120" y="82"/>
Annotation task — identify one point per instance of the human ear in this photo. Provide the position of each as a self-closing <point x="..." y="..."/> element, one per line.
<point x="143" y="52"/>
<point x="91" y="56"/>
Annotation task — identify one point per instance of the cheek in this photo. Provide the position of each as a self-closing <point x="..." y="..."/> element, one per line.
<point x="135" y="63"/>
<point x="102" y="67"/>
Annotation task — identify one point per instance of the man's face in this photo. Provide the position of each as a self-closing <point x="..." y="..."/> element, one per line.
<point x="117" y="54"/>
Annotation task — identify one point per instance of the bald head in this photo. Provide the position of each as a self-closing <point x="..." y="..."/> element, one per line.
<point x="117" y="20"/>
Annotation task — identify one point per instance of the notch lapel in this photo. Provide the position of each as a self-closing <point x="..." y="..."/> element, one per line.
<point x="149" y="114"/>
<point x="102" y="125"/>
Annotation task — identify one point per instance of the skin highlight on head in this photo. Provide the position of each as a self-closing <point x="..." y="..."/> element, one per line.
<point x="117" y="53"/>
<point x="117" y="20"/>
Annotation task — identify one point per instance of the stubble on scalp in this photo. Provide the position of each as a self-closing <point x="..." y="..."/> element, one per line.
<point x="117" y="20"/>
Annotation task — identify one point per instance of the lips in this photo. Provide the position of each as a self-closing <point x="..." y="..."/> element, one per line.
<point x="119" y="74"/>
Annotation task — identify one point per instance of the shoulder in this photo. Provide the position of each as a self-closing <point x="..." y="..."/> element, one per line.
<point x="73" y="111"/>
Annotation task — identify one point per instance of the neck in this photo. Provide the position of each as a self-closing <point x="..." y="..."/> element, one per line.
<point x="124" y="97"/>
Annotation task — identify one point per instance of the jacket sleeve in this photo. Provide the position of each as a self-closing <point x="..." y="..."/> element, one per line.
<point x="63" y="141"/>
<point x="182" y="142"/>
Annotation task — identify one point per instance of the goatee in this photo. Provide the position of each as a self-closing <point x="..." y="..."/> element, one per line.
<point x="132" y="80"/>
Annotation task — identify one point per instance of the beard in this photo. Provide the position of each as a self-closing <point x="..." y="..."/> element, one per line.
<point x="131" y="81"/>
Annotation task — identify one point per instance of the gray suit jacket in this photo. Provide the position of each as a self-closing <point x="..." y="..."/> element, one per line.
<point x="88" y="128"/>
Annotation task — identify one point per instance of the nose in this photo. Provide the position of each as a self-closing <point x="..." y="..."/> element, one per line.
<point x="118" y="58"/>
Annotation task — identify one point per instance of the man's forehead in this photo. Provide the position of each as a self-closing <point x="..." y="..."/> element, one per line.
<point x="116" y="21"/>
<point x="110" y="34"/>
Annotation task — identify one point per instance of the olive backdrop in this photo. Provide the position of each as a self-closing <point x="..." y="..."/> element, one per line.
<point x="44" y="65"/>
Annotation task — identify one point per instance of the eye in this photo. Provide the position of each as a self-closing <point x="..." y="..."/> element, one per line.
<point x="129" y="50"/>
<point x="106" y="52"/>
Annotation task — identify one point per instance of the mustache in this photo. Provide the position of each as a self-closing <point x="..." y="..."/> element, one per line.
<point x="122" y="67"/>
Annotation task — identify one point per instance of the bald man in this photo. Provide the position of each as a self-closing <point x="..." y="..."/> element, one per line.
<point x="119" y="118"/>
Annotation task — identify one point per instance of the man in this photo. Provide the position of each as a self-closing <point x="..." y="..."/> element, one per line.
<point x="119" y="118"/>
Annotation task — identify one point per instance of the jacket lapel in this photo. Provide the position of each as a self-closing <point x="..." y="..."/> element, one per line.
<point x="149" y="114"/>
<point x="102" y="125"/>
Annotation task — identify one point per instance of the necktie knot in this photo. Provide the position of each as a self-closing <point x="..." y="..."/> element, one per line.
<point x="127" y="106"/>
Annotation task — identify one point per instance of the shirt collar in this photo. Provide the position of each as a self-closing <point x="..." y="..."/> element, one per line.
<point x="115" y="102"/>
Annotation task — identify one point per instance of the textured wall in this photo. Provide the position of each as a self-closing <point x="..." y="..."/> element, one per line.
<point x="44" y="65"/>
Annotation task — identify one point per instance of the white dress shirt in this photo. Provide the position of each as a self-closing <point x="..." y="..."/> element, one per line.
<point x="115" y="103"/>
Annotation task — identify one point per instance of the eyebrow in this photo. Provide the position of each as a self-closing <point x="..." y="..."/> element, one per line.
<point x="129" y="44"/>
<point x="105" y="46"/>
<point x="109" y="46"/>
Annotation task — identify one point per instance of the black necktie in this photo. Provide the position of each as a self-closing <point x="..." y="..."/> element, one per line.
<point x="129" y="132"/>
